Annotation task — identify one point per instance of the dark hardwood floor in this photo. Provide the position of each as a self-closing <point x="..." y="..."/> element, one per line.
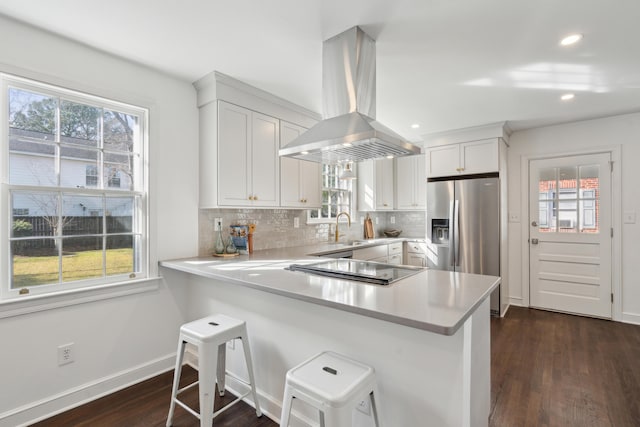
<point x="547" y="369"/>
<point x="552" y="369"/>
<point x="147" y="404"/>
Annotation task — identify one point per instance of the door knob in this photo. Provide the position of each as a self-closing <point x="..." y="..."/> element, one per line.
<point x="534" y="241"/>
<point x="534" y="224"/>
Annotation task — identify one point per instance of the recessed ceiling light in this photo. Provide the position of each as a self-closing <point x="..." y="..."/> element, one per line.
<point x="346" y="144"/>
<point x="567" y="97"/>
<point x="389" y="156"/>
<point x="304" y="152"/>
<point x="415" y="126"/>
<point x="571" y="39"/>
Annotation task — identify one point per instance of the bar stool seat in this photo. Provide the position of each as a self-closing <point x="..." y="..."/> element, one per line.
<point x="334" y="385"/>
<point x="210" y="335"/>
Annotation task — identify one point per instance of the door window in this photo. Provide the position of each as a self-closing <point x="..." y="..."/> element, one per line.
<point x="568" y="199"/>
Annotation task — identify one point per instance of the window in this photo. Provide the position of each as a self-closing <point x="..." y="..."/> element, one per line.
<point x="92" y="176"/>
<point x="114" y="178"/>
<point x="336" y="195"/>
<point x="569" y="199"/>
<point x="75" y="167"/>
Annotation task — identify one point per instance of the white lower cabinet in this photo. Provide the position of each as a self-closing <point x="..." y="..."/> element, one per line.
<point x="300" y="181"/>
<point x="388" y="254"/>
<point x="415" y="254"/>
<point x="378" y="253"/>
<point x="248" y="162"/>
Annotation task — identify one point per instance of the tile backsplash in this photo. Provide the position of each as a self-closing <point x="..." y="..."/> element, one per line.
<point x="274" y="227"/>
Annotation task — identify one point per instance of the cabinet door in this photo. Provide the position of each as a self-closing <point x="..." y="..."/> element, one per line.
<point x="311" y="179"/>
<point x="411" y="183"/>
<point x="443" y="161"/>
<point x="234" y="149"/>
<point x="265" y="162"/>
<point x="384" y="184"/>
<point x="479" y="157"/>
<point x="421" y="182"/>
<point x="404" y="182"/>
<point x="419" y="260"/>
<point x="290" y="169"/>
<point x="366" y="186"/>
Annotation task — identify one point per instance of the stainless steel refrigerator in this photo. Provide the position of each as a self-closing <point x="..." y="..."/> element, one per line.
<point x="463" y="226"/>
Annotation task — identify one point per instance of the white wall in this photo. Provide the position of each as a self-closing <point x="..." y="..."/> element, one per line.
<point x="119" y="339"/>
<point x="620" y="131"/>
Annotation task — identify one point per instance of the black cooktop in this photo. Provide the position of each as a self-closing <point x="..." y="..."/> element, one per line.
<point x="363" y="271"/>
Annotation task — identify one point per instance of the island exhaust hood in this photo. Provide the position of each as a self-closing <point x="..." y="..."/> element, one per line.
<point x="349" y="131"/>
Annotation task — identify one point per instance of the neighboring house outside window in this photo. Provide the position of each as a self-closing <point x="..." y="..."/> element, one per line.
<point x="76" y="181"/>
<point x="337" y="195"/>
<point x="92" y="176"/>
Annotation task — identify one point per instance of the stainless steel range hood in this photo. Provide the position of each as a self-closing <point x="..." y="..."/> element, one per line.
<point x="349" y="131"/>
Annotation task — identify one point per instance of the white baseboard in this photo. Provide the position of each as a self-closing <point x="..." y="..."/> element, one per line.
<point x="516" y="301"/>
<point x="68" y="399"/>
<point x="631" y="318"/>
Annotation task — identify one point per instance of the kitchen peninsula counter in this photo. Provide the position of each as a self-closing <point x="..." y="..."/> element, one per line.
<point x="427" y="335"/>
<point x="432" y="300"/>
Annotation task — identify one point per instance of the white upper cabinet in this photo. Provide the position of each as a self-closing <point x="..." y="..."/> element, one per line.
<point x="300" y="181"/>
<point x="376" y="185"/>
<point x="464" y="158"/>
<point x="411" y="183"/>
<point x="239" y="131"/>
<point x="248" y="162"/>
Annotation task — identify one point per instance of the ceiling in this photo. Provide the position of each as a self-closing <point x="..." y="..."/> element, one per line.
<point x="444" y="64"/>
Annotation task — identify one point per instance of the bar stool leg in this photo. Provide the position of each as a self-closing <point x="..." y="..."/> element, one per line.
<point x="339" y="416"/>
<point x="207" y="382"/>
<point x="249" y="362"/>
<point x="374" y="407"/>
<point x="176" y="380"/>
<point x="286" y="407"/>
<point x="222" y="367"/>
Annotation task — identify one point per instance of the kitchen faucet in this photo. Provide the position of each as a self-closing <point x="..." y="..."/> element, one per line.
<point x="338" y="224"/>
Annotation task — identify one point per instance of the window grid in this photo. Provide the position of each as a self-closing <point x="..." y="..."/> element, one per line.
<point x="336" y="195"/>
<point x="87" y="232"/>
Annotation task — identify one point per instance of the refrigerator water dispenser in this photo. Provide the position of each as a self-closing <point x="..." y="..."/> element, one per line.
<point x="440" y="230"/>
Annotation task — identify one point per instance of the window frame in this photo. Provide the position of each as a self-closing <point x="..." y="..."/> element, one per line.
<point x="350" y="190"/>
<point x="139" y="191"/>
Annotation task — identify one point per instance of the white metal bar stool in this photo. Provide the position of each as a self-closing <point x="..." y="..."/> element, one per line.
<point x="333" y="384"/>
<point x="210" y="336"/>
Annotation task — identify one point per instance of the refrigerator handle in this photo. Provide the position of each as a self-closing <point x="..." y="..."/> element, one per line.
<point x="456" y="233"/>
<point x="452" y="233"/>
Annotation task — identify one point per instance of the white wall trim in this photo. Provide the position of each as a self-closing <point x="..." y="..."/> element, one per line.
<point x="61" y="402"/>
<point x="516" y="301"/>
<point x="616" y="222"/>
<point x="36" y="303"/>
<point x="632" y="318"/>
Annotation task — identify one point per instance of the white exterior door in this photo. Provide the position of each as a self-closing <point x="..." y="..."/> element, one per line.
<point x="570" y="234"/>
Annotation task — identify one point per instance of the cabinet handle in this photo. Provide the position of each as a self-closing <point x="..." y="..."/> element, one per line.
<point x="250" y="197"/>
<point x="255" y="197"/>
<point x="384" y="204"/>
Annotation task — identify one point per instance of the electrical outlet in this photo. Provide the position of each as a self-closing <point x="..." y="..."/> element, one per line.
<point x="376" y="220"/>
<point x="514" y="217"/>
<point x="231" y="345"/>
<point x="365" y="407"/>
<point x="296" y="222"/>
<point x="216" y="224"/>
<point x="65" y="354"/>
<point x="392" y="219"/>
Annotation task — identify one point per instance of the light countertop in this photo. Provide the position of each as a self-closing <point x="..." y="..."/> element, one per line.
<point x="432" y="300"/>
